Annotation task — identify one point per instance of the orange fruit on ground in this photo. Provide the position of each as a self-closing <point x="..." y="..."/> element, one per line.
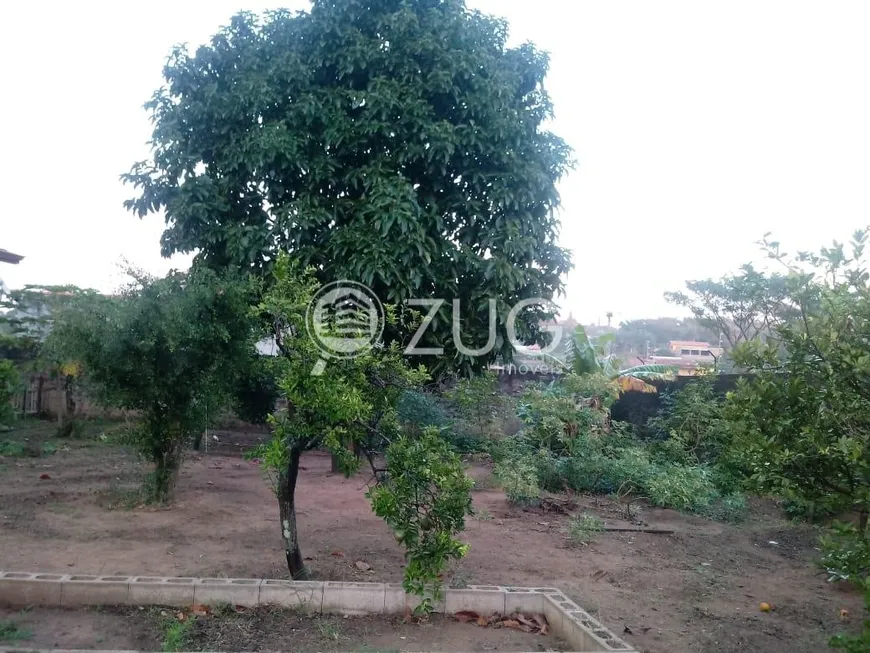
<point x="764" y="607"/>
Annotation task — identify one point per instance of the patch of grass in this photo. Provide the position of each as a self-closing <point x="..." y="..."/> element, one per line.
<point x="12" y="449"/>
<point x="177" y="635"/>
<point x="582" y="529"/>
<point x="10" y="631"/>
<point x="328" y="630"/>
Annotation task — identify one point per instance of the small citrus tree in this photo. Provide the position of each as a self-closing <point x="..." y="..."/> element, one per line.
<point x="166" y="348"/>
<point x="342" y="404"/>
<point x="803" y="422"/>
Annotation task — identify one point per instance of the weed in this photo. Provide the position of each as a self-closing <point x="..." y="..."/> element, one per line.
<point x="176" y="634"/>
<point x="483" y="515"/>
<point x="10" y="631"/>
<point x="12" y="449"/>
<point x="583" y="529"/>
<point x="519" y="478"/>
<point x="461" y="579"/>
<point x="328" y="630"/>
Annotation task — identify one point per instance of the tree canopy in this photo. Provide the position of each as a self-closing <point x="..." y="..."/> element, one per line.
<point x="398" y="143"/>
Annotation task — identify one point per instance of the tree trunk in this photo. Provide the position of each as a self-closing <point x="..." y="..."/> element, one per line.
<point x="165" y="474"/>
<point x="70" y="399"/>
<point x="39" y="385"/>
<point x="287" y="513"/>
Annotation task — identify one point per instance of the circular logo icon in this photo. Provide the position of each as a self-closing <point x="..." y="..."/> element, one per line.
<point x="345" y="319"/>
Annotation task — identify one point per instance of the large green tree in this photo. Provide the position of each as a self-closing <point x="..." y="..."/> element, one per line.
<point x="398" y="143"/>
<point x="740" y="307"/>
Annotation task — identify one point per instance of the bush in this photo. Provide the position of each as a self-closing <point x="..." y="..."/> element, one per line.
<point x="424" y="499"/>
<point x="519" y="479"/>
<point x="10" y="383"/>
<point x="845" y="554"/>
<point x="583" y="529"/>
<point x="684" y="488"/>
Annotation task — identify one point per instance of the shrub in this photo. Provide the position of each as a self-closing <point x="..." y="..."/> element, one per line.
<point x="582" y="529"/>
<point x="684" y="488"/>
<point x="845" y="553"/>
<point x="10" y="383"/>
<point x="418" y="410"/>
<point x="519" y="479"/>
<point x="730" y="508"/>
<point x="424" y="499"/>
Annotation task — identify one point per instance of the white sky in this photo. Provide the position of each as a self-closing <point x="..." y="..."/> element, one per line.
<point x="697" y="127"/>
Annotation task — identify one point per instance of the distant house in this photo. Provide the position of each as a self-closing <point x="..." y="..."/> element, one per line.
<point x="689" y="356"/>
<point x="8" y="257"/>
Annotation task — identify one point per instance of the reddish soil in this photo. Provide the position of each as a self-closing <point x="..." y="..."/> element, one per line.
<point x="696" y="590"/>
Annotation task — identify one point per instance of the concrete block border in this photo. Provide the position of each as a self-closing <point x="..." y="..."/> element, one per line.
<point x="567" y="619"/>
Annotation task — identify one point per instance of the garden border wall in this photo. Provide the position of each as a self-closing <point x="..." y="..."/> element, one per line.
<point x="567" y="619"/>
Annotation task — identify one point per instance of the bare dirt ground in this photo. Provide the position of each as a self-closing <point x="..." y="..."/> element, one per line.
<point x="698" y="589"/>
<point x="131" y="629"/>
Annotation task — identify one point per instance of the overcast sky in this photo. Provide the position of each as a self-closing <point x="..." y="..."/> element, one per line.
<point x="697" y="127"/>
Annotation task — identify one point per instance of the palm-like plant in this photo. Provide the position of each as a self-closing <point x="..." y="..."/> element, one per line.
<point x="585" y="355"/>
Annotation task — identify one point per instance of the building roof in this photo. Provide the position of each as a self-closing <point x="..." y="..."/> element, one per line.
<point x="689" y="344"/>
<point x="8" y="257"/>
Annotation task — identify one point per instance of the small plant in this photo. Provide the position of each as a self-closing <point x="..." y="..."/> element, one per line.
<point x="10" y="631"/>
<point x="328" y="630"/>
<point x="483" y="515"/>
<point x="177" y="635"/>
<point x="857" y="643"/>
<point x="582" y="529"/>
<point x="845" y="554"/>
<point x="424" y="499"/>
<point x="519" y="478"/>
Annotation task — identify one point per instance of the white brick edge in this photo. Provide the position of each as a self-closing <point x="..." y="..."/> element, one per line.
<point x="567" y="620"/>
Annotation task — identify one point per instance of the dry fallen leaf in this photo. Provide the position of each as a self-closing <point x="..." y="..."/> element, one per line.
<point x="181" y="616"/>
<point x="362" y="566"/>
<point x="464" y="616"/>
<point x="510" y="623"/>
<point x="482" y="621"/>
<point x="44" y="477"/>
<point x="338" y="554"/>
<point x="199" y="610"/>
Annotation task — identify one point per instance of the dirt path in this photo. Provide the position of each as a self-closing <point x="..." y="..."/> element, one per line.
<point x="696" y="590"/>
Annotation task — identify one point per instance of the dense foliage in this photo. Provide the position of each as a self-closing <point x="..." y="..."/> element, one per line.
<point x="741" y="307"/>
<point x="166" y="348"/>
<point x="424" y="498"/>
<point x="10" y="381"/>
<point x="803" y="420"/>
<point x="338" y="404"/>
<point x="399" y="143"/>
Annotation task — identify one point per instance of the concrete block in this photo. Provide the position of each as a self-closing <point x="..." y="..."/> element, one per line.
<point x="523" y="599"/>
<point x="394" y="598"/>
<point x="292" y="594"/>
<point x="152" y="590"/>
<point x="19" y="589"/>
<point x="235" y="591"/>
<point x="555" y="616"/>
<point x="95" y="590"/>
<point x="485" y="600"/>
<point x="353" y="598"/>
